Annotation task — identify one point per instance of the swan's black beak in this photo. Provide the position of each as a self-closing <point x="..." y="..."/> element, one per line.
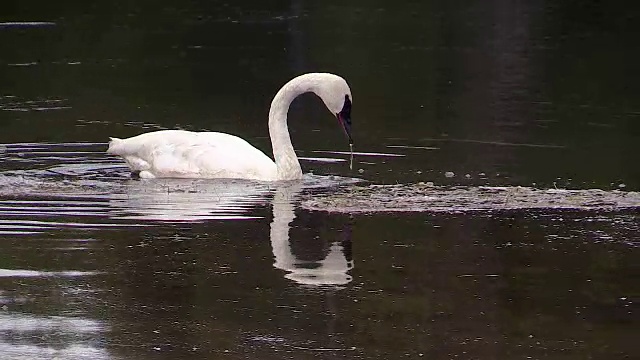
<point x="344" y="116"/>
<point x="346" y="126"/>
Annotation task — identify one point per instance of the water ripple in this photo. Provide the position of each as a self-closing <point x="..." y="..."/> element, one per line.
<point x="17" y="328"/>
<point x="22" y="24"/>
<point x="12" y="103"/>
<point x="4" y="273"/>
<point x="55" y="186"/>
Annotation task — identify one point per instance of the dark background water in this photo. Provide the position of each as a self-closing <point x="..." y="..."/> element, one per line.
<point x="508" y="93"/>
<point x="535" y="91"/>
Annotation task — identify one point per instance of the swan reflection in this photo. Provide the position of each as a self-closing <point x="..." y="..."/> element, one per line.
<point x="332" y="270"/>
<point x="188" y="200"/>
<point x="201" y="200"/>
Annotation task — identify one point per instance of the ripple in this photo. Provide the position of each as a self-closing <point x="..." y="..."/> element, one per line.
<point x="20" y="329"/>
<point x="321" y="159"/>
<point x="413" y="147"/>
<point x="54" y="186"/>
<point x="355" y="153"/>
<point x="20" y="273"/>
<point x="16" y="104"/>
<point x="71" y="352"/>
<point x="190" y="200"/>
<point x="23" y="64"/>
<point x="21" y="24"/>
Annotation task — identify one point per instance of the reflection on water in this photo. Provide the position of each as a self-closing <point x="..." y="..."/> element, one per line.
<point x="72" y="352"/>
<point x="60" y="196"/>
<point x="61" y="337"/>
<point x="170" y="200"/>
<point x="188" y="200"/>
<point x="539" y="94"/>
<point x="69" y="333"/>
<point x="75" y="185"/>
<point x="125" y="268"/>
<point x="331" y="270"/>
<point x="33" y="273"/>
<point x="26" y="23"/>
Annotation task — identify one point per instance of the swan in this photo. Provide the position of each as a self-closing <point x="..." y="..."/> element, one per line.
<point x="187" y="154"/>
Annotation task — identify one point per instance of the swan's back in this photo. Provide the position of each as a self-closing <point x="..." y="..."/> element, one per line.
<point x="186" y="154"/>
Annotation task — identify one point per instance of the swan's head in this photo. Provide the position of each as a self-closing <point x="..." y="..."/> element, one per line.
<point x="336" y="95"/>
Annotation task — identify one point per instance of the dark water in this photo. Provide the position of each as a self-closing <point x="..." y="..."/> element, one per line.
<point x="96" y="266"/>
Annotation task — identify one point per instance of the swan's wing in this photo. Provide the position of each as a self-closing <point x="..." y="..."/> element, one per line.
<point x="174" y="153"/>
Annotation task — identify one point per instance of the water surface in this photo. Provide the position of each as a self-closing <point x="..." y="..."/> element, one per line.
<point x="95" y="265"/>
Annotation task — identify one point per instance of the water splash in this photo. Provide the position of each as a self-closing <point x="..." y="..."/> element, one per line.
<point x="428" y="198"/>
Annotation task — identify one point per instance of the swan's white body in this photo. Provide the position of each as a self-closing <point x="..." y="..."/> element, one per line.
<point x="186" y="154"/>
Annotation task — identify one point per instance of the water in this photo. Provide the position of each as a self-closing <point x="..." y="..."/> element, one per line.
<point x="94" y="265"/>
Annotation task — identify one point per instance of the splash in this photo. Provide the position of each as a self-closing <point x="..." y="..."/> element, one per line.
<point x="427" y="198"/>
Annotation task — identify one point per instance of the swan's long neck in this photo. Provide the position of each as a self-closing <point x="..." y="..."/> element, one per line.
<point x="285" y="157"/>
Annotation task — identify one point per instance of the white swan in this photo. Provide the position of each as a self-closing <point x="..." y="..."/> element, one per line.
<point x="186" y="154"/>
